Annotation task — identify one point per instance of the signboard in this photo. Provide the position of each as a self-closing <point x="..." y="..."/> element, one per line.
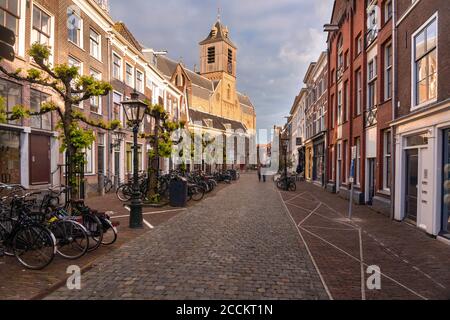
<point x="352" y="172"/>
<point x="354" y="152"/>
<point x="7" y="41"/>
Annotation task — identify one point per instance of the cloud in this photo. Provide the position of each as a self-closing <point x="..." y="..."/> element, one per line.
<point x="276" y="39"/>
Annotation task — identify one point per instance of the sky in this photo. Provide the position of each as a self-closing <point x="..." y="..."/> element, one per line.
<point x="276" y="40"/>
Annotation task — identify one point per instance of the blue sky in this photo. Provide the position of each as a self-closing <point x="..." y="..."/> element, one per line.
<point x="276" y="40"/>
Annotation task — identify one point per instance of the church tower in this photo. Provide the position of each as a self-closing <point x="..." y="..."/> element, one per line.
<point x="217" y="53"/>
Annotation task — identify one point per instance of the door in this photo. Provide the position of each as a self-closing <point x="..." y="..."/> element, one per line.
<point x="445" y="229"/>
<point x="39" y="159"/>
<point x="117" y="166"/>
<point x="412" y="181"/>
<point x="371" y="180"/>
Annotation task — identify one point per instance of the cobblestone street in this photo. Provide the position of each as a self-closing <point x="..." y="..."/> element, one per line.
<point x="240" y="244"/>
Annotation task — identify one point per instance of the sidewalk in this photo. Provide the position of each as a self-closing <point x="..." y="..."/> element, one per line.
<point x="413" y="265"/>
<point x="19" y="283"/>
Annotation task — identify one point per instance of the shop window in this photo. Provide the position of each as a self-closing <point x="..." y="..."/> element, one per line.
<point x="9" y="157"/>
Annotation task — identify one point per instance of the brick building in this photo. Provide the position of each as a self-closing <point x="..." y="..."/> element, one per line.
<point x="315" y="125"/>
<point x="360" y="100"/>
<point x="422" y="114"/>
<point x="80" y="33"/>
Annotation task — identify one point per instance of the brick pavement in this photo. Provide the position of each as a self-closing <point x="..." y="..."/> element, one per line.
<point x="413" y="265"/>
<point x="239" y="244"/>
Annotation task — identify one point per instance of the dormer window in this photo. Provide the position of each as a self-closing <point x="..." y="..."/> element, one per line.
<point x="209" y="123"/>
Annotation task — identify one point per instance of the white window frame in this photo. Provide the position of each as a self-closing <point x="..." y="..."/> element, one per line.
<point x="359" y="89"/>
<point x="51" y="27"/>
<point x="80" y="40"/>
<point x="98" y="55"/>
<point x="141" y="87"/>
<point x="414" y="105"/>
<point x="120" y="67"/>
<point x="98" y="77"/>
<point x="131" y="83"/>
<point x="386" y="159"/>
<point x="80" y="71"/>
<point x="121" y="116"/>
<point x="91" y="150"/>
<point x="339" y="107"/>
<point x="372" y="80"/>
<point x="388" y="71"/>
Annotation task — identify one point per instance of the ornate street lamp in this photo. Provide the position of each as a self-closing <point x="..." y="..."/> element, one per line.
<point x="118" y="137"/>
<point x="285" y="144"/>
<point x="134" y="111"/>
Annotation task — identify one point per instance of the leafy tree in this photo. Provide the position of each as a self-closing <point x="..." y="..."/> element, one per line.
<point x="73" y="88"/>
<point x="161" y="145"/>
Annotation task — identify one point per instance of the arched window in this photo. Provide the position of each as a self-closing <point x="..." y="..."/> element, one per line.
<point x="229" y="92"/>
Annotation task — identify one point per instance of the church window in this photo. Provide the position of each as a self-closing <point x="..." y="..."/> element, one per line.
<point x="211" y="54"/>
<point x="229" y="92"/>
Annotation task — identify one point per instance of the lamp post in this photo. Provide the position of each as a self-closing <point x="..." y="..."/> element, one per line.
<point x="134" y="111"/>
<point x="285" y="142"/>
<point x="118" y="136"/>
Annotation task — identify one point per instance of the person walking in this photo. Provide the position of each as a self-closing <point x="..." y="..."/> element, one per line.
<point x="259" y="172"/>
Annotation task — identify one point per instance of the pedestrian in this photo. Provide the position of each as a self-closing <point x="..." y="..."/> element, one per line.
<point x="259" y="172"/>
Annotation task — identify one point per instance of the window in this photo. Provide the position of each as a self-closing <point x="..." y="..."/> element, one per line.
<point x="388" y="72"/>
<point x="74" y="25"/>
<point x="96" y="101"/>
<point x="43" y="121"/>
<point x="12" y="93"/>
<point x="101" y="153"/>
<point x="358" y="95"/>
<point x="211" y="55"/>
<point x="129" y="157"/>
<point x="344" y="161"/>
<point x="332" y="112"/>
<point x="139" y="81"/>
<point x="10" y="15"/>
<point x="72" y="62"/>
<point x="89" y="160"/>
<point x="117" y="106"/>
<point x="346" y="102"/>
<point x="117" y="67"/>
<point x="346" y="60"/>
<point x="41" y="27"/>
<point x="339" y="107"/>
<point x="230" y="61"/>
<point x="129" y="75"/>
<point x="425" y="58"/>
<point x="358" y="162"/>
<point x="340" y="53"/>
<point x="228" y="92"/>
<point x="371" y="86"/>
<point x="358" y="45"/>
<point x="387" y="11"/>
<point x="387" y="160"/>
<point x="94" y="44"/>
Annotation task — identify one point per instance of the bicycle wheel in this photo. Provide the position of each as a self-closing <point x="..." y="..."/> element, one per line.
<point x="124" y="193"/>
<point x="109" y="232"/>
<point x="72" y="241"/>
<point x="94" y="229"/>
<point x="34" y="247"/>
<point x="197" y="193"/>
<point x="292" y="186"/>
<point x="108" y="185"/>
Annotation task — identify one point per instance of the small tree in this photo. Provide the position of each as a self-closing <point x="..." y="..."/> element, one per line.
<point x="161" y="145"/>
<point x="73" y="88"/>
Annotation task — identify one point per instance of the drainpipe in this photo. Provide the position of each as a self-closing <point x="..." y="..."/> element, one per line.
<point x="394" y="99"/>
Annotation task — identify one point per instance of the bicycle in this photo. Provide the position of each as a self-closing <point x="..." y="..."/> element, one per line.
<point x="33" y="245"/>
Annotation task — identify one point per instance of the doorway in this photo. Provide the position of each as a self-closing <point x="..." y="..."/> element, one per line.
<point x="412" y="181"/>
<point x="371" y="180"/>
<point x="39" y="159"/>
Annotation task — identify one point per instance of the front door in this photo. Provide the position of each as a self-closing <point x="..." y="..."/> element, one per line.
<point x="412" y="181"/>
<point x="445" y="229"/>
<point x="39" y="159"/>
<point x="371" y="180"/>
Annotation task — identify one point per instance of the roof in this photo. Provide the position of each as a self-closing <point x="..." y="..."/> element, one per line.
<point x="217" y="122"/>
<point x="218" y="33"/>
<point x="243" y="99"/>
<point x="126" y="33"/>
